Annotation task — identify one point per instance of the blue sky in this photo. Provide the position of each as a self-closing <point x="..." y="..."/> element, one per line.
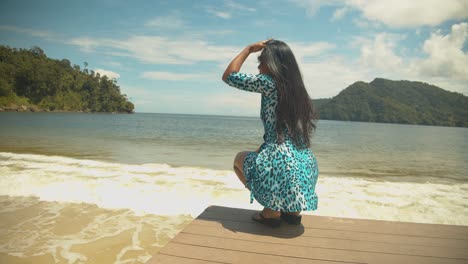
<point x="168" y="56"/>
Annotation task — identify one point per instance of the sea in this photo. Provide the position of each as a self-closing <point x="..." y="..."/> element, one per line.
<point x="115" y="188"/>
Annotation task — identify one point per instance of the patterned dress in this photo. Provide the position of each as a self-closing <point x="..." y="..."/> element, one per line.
<point x="281" y="177"/>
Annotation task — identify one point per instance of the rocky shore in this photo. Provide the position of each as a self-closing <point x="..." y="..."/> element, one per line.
<point x="33" y="108"/>
<point x="21" y="108"/>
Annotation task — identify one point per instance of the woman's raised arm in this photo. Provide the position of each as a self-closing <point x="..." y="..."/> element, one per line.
<point x="237" y="62"/>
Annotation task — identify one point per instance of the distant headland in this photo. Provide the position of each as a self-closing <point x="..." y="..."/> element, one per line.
<point x="402" y="102"/>
<point x="30" y="81"/>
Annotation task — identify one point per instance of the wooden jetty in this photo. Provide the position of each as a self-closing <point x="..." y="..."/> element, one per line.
<point x="228" y="235"/>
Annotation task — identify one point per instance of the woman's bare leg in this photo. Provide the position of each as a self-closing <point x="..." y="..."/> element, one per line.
<point x="239" y="166"/>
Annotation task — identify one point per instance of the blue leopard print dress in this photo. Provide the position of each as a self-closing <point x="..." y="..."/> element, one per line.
<point x="281" y="176"/>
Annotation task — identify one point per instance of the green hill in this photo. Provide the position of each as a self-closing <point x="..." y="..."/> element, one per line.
<point x="30" y="81"/>
<point x="403" y="102"/>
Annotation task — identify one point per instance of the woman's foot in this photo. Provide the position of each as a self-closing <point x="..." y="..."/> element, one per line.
<point x="291" y="218"/>
<point x="268" y="217"/>
<point x="271" y="222"/>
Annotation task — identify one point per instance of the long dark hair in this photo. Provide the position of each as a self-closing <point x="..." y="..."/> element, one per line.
<point x="295" y="112"/>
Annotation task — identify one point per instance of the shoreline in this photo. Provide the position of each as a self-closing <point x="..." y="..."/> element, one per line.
<point x="12" y="108"/>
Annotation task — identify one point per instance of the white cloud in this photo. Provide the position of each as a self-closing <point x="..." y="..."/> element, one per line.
<point x="218" y="13"/>
<point x="114" y="64"/>
<point x="313" y="6"/>
<point x="85" y="43"/>
<point x="109" y="74"/>
<point x="379" y="52"/>
<point x="36" y="33"/>
<point x="339" y="13"/>
<point x="232" y="102"/>
<point x="326" y="78"/>
<point x="404" y="13"/>
<point x="209" y="33"/>
<point x="398" y="13"/>
<point x="446" y="55"/>
<point x="325" y="74"/>
<point x="170" y="22"/>
<point x="171" y="76"/>
<point x="158" y="50"/>
<point x="304" y="50"/>
<point x="364" y="23"/>
<point x="446" y="64"/>
<point x="235" y="7"/>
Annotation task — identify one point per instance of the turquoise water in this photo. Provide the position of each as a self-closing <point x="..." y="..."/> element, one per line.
<point x="396" y="152"/>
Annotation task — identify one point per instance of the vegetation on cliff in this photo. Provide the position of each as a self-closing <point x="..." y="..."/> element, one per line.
<point x="29" y="80"/>
<point x="403" y="102"/>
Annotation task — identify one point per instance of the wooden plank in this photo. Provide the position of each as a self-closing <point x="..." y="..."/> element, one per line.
<point x="239" y="211"/>
<point x="281" y="250"/>
<point x="349" y="224"/>
<point x="332" y="222"/>
<point x="287" y="231"/>
<point x="236" y="256"/>
<point x="318" y="242"/>
<point x="170" y="259"/>
<point x="228" y="235"/>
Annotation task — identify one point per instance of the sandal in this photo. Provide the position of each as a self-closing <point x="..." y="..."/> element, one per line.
<point x="291" y="218"/>
<point x="271" y="222"/>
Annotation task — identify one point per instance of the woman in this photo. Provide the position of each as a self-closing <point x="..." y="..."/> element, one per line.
<point x="281" y="175"/>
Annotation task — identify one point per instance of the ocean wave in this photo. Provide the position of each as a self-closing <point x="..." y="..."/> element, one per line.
<point x="147" y="188"/>
<point x="161" y="189"/>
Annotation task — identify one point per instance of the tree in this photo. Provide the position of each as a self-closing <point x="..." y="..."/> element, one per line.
<point x="397" y="102"/>
<point x="29" y="77"/>
<point x="37" y="52"/>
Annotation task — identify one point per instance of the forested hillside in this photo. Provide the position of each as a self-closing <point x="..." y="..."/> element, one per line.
<point x="404" y="102"/>
<point x="29" y="81"/>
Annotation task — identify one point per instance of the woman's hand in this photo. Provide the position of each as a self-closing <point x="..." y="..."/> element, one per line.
<point x="256" y="47"/>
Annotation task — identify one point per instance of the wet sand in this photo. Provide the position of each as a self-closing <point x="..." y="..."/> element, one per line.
<point x="33" y="231"/>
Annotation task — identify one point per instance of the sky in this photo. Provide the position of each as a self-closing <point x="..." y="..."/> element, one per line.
<point x="169" y="56"/>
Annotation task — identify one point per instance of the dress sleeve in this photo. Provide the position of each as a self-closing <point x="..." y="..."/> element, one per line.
<point x="259" y="83"/>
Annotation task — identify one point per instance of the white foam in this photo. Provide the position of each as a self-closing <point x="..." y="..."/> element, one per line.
<point x="148" y="188"/>
<point x="164" y="190"/>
